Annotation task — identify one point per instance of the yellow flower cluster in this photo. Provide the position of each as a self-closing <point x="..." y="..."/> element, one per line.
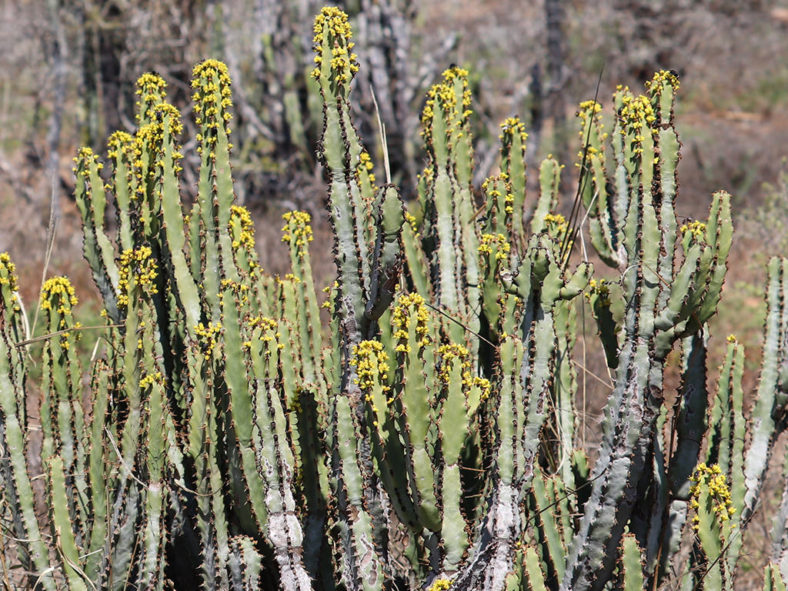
<point x="494" y="194"/>
<point x="161" y="113"/>
<point x="58" y="289"/>
<point x="64" y="338"/>
<point x="410" y="307"/>
<point x="151" y="90"/>
<point x="440" y="585"/>
<point x="366" y="160"/>
<point x="136" y="264"/>
<point x="139" y="340"/>
<point x="710" y="479"/>
<point x="328" y="290"/>
<point x="241" y="228"/>
<point x="411" y="219"/>
<point x="122" y="149"/>
<point x="332" y="26"/>
<point x="269" y="330"/>
<point x="600" y="288"/>
<point x="448" y="355"/>
<point x="732" y="339"/>
<point x="212" y="100"/>
<point x="58" y="297"/>
<point x="142" y="143"/>
<point x="150" y="136"/>
<point x="265" y="323"/>
<point x="590" y="151"/>
<point x="8" y="272"/>
<point x="663" y="77"/>
<point x="457" y="73"/>
<point x="208" y="336"/>
<point x="164" y="110"/>
<point x="371" y="363"/>
<point x="495" y="243"/>
<point x="508" y="203"/>
<point x="510" y="127"/>
<point x="150" y="379"/>
<point x="696" y="228"/>
<point x="556" y="223"/>
<point x="444" y="96"/>
<point x="150" y="140"/>
<point x="486" y="185"/>
<point x="636" y="113"/>
<point x="484" y="385"/>
<point x="297" y="230"/>
<point x="119" y="144"/>
<point x="365" y="163"/>
<point x="593" y="110"/>
<point x="84" y="158"/>
<point x="587" y="107"/>
<point x="150" y="84"/>
<point x="457" y="353"/>
<point x="239" y="289"/>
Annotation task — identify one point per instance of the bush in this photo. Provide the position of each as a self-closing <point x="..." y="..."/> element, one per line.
<point x="427" y="438"/>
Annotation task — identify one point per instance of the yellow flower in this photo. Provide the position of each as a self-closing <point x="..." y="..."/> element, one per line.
<point x="151" y="90"/>
<point x="297" y="231"/>
<point x="448" y="356"/>
<point x="332" y="26"/>
<point x="58" y="294"/>
<point x="510" y="127"/>
<point x="442" y="97"/>
<point x="138" y="265"/>
<point x="697" y="229"/>
<point x="241" y="228"/>
<point x="151" y="379"/>
<point x="600" y="288"/>
<point x="495" y="245"/>
<point x="556" y="223"/>
<point x="636" y="112"/>
<point x="440" y="585"/>
<point x="371" y="363"/>
<point x="663" y="77"/>
<point x="208" y="336"/>
<point x="410" y="308"/>
<point x="711" y="481"/>
<point x="213" y="99"/>
<point x="8" y="272"/>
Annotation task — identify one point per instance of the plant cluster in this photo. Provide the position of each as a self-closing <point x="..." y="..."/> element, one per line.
<point x="427" y="439"/>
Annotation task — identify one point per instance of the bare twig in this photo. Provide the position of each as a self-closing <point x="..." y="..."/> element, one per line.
<point x="51" y="335"/>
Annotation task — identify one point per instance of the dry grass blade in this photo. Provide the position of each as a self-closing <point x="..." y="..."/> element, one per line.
<point x="474" y="333"/>
<point x="51" y="335"/>
<point x="383" y="143"/>
<point x="568" y="242"/>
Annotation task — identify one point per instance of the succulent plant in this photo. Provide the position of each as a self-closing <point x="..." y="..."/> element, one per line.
<point x="426" y="438"/>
